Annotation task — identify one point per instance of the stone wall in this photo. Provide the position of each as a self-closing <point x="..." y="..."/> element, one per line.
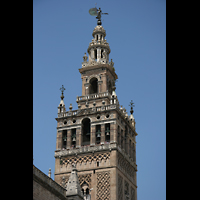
<point x="44" y="188"/>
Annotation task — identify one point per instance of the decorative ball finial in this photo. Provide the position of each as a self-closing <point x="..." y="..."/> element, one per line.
<point x="70" y="106"/>
<point x="131" y="105"/>
<point x="62" y="90"/>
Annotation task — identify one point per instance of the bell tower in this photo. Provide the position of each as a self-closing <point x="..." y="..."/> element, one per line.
<point x="99" y="137"/>
<point x="98" y="74"/>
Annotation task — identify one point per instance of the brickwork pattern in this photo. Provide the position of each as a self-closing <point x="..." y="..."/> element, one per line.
<point x="103" y="186"/>
<point x="85" y="159"/>
<point x="126" y="167"/>
<point x="82" y="178"/>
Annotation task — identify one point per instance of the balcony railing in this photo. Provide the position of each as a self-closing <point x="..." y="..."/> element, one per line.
<point x="93" y="96"/>
<point x="92" y="110"/>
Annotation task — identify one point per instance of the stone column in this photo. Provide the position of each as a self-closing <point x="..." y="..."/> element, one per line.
<point x="59" y="140"/>
<point x="78" y="137"/>
<point x="86" y="88"/>
<point x="113" y="133"/>
<point x="69" y="138"/>
<point x="92" y="54"/>
<point x="102" y="133"/>
<point x="104" y="83"/>
<point x="92" y="135"/>
<point x="99" y="86"/>
<point x="98" y="54"/>
<point x="89" y="56"/>
<point x="99" y="37"/>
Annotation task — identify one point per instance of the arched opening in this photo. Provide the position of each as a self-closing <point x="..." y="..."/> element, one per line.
<point x="86" y="191"/>
<point x="107" y="131"/>
<point x="93" y="86"/>
<point x="64" y="138"/>
<point x="82" y="191"/>
<point x="73" y="140"/>
<point x="98" y="134"/>
<point x="86" y="131"/>
<point x="101" y="53"/>
<point x="95" y="54"/>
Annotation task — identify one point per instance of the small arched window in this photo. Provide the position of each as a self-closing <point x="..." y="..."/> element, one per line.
<point x="93" y="88"/>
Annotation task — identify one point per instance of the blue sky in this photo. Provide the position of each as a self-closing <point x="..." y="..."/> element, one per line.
<point x="136" y="33"/>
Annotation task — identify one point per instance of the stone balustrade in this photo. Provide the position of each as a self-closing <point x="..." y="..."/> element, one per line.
<point x="93" y="96"/>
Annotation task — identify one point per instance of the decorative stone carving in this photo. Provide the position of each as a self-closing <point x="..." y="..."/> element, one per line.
<point x="126" y="190"/>
<point x="103" y="186"/>
<point x="125" y="166"/>
<point x="85" y="159"/>
<point x="132" y="193"/>
<point x="120" y="187"/>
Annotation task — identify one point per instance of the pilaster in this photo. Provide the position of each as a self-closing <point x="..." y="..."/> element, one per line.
<point x="59" y="140"/>
<point x="69" y="138"/>
<point x="78" y="137"/>
<point x="98" y="54"/>
<point x="113" y="131"/>
<point x="86" y="88"/>
<point x="99" y="85"/>
<point x="102" y="133"/>
<point x="92" y="135"/>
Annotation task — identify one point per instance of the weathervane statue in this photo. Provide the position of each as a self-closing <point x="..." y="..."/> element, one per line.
<point x="97" y="12"/>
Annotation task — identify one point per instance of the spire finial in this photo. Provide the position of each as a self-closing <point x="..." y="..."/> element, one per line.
<point x="49" y="173"/>
<point x="131" y="105"/>
<point x="62" y="90"/>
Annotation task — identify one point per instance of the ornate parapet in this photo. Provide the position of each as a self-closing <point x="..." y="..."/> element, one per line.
<point x="93" y="96"/>
<point x="89" y="110"/>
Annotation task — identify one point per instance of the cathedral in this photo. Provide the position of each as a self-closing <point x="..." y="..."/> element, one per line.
<point x="98" y="140"/>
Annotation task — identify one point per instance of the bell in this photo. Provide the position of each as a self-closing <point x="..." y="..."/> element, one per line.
<point x="74" y="139"/>
<point x="98" y="135"/>
<point x="107" y="131"/>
